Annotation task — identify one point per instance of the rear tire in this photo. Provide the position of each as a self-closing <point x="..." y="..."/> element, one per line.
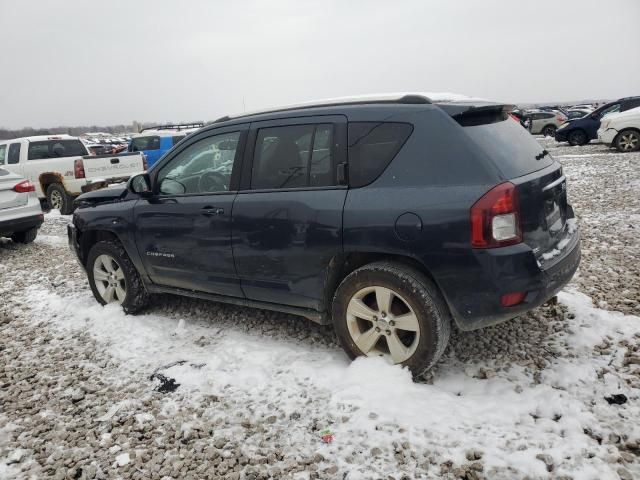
<point x="549" y="131"/>
<point x="27" y="236"/>
<point x="412" y="329"/>
<point x="113" y="277"/>
<point x="627" y="141"/>
<point x="577" y="137"/>
<point x="58" y="198"/>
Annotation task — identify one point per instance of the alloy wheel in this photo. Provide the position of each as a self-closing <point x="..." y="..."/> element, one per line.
<point x="109" y="279"/>
<point x="55" y="199"/>
<point x="629" y="141"/>
<point x="382" y="323"/>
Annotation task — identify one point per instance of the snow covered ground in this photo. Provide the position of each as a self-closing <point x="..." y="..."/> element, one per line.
<point x="193" y="389"/>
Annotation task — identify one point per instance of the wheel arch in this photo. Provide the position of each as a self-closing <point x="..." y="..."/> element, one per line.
<point x="614" y="143"/>
<point x="343" y="264"/>
<point x="46" y="179"/>
<point x="89" y="238"/>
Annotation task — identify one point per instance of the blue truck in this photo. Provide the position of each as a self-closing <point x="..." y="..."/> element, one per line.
<point x="154" y="142"/>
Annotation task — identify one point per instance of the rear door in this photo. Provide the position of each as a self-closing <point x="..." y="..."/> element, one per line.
<point x="287" y="219"/>
<point x="540" y="183"/>
<point x="183" y="232"/>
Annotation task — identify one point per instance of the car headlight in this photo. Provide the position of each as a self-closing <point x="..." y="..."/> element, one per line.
<point x="564" y="125"/>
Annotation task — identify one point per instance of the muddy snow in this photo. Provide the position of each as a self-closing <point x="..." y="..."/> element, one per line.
<point x="193" y="389"/>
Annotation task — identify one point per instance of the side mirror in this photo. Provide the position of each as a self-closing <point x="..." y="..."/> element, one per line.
<point x="140" y="184"/>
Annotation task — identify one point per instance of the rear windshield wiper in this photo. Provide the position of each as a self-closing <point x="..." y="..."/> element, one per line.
<point x="542" y="154"/>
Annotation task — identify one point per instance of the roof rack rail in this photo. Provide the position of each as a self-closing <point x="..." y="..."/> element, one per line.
<point x="178" y="127"/>
<point x="360" y="100"/>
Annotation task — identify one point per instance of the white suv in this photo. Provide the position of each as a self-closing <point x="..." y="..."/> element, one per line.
<point x="621" y="130"/>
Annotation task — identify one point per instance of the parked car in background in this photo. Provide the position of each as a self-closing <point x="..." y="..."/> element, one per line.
<point x="521" y="117"/>
<point x="60" y="167"/>
<point x="156" y="141"/>
<point x="621" y="130"/>
<point x="545" y="122"/>
<point x="582" y="130"/>
<point x="20" y="210"/>
<point x="332" y="211"/>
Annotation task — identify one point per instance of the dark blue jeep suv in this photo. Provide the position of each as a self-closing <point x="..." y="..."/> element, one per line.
<point x="390" y="218"/>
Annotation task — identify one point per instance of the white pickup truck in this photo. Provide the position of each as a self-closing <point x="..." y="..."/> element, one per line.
<point x="61" y="168"/>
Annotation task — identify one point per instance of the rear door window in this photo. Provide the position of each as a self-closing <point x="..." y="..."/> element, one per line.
<point x="14" y="153"/>
<point x="56" y="148"/>
<point x="629" y="105"/>
<point x="513" y="150"/>
<point x="293" y="156"/>
<point x="372" y="146"/>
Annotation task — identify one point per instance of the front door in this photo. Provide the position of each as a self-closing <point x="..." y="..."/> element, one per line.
<point x="287" y="220"/>
<point x="184" y="230"/>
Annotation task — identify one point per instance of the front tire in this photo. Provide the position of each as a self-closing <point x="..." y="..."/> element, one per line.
<point x="577" y="137"/>
<point x="58" y="198"/>
<point x="627" y="141"/>
<point x="549" y="131"/>
<point x="27" y="236"/>
<point x="387" y="309"/>
<point x="113" y="277"/>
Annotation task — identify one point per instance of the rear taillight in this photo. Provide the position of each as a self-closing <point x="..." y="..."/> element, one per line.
<point x="512" y="299"/>
<point x="24" y="187"/>
<point x="495" y="218"/>
<point x="78" y="168"/>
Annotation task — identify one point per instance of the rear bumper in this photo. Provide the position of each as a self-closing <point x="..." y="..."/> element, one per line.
<point x="21" y="224"/>
<point x="475" y="300"/>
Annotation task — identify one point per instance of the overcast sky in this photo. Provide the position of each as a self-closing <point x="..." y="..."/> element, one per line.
<point x="79" y="62"/>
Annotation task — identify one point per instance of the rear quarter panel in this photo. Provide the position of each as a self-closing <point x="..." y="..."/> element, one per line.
<point x="435" y="178"/>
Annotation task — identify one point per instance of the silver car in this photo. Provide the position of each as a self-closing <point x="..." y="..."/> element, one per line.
<point x="546" y="122"/>
<point x="20" y="210"/>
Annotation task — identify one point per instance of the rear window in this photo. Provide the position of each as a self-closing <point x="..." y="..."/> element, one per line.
<point x="511" y="147"/>
<point x="55" y="149"/>
<point x="372" y="146"/>
<point x="177" y="139"/>
<point x="3" y="154"/>
<point x="140" y="144"/>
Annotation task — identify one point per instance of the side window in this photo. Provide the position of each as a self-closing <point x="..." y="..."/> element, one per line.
<point x="138" y="144"/>
<point x="3" y="154"/>
<point x="204" y="167"/>
<point x="372" y="146"/>
<point x="549" y="115"/>
<point x="293" y="156"/>
<point x="612" y="109"/>
<point x="14" y="153"/>
<point x="629" y="105"/>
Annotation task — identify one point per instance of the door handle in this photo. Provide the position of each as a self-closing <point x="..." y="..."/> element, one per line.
<point x="211" y="211"/>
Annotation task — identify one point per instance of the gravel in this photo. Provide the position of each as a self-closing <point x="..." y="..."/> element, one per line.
<point x="70" y="408"/>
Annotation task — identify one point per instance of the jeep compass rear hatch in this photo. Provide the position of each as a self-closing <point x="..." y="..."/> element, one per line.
<point x="540" y="186"/>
